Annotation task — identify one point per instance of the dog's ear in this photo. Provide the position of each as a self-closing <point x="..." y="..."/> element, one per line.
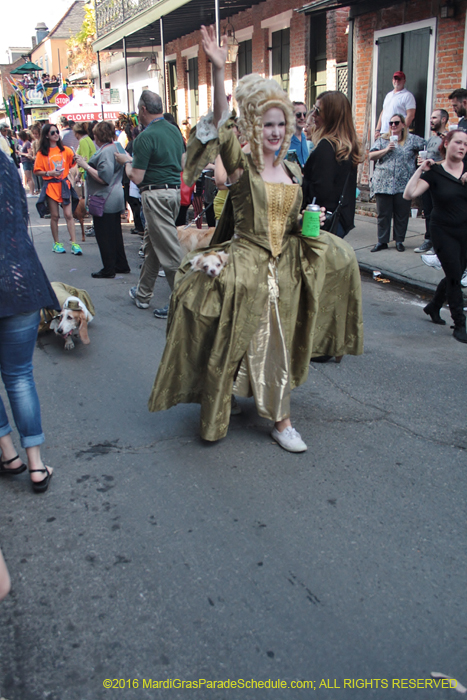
<point x="195" y="261"/>
<point x="223" y="256"/>
<point x="54" y="323"/>
<point x="83" y="328"/>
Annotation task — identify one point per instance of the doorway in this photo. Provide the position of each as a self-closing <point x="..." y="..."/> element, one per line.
<point x="409" y="48"/>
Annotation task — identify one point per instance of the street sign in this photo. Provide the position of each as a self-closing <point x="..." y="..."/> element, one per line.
<point x="61" y="100"/>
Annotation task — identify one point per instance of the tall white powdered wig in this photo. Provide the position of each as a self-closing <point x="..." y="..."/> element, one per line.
<point x="255" y="95"/>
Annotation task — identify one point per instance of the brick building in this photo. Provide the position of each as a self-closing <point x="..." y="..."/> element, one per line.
<point x="308" y="48"/>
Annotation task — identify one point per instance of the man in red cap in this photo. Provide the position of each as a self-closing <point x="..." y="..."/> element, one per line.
<point x="398" y="101"/>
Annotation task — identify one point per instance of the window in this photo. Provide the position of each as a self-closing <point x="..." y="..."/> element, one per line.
<point x="106" y="86"/>
<point x="173" y="88"/>
<point x="317" y="81"/>
<point x="280" y="57"/>
<point x="193" y="89"/>
<point x="244" y="58"/>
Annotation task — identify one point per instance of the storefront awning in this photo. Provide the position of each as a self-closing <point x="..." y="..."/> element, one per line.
<point x="180" y="18"/>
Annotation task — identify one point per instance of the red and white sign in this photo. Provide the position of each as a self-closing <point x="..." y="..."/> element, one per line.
<point x="61" y="100"/>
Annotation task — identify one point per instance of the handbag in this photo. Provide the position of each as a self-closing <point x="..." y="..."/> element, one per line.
<point x="331" y="222"/>
<point x="96" y="203"/>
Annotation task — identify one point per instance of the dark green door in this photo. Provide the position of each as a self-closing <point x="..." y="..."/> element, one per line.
<point x="409" y="52"/>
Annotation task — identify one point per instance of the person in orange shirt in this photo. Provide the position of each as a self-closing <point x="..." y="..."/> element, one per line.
<point x="53" y="163"/>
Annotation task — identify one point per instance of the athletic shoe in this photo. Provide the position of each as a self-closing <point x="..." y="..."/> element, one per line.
<point x="140" y="304"/>
<point x="75" y="249"/>
<point x="162" y="313"/>
<point x="161" y="273"/>
<point x="424" y="248"/>
<point x="31" y="195"/>
<point x="432" y="261"/>
<point x="289" y="439"/>
<point x="464" y="279"/>
<point x="90" y="231"/>
<point x="141" y="252"/>
<point x="58" y="248"/>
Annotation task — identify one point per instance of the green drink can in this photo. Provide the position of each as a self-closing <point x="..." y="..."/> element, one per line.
<point x="311" y="225"/>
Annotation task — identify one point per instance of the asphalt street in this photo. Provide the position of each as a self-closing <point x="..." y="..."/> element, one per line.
<point x="155" y="556"/>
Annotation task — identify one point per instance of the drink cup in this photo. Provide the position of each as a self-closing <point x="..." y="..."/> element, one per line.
<point x="414" y="213"/>
<point x="394" y="139"/>
<point x="311" y="217"/>
<point x="423" y="154"/>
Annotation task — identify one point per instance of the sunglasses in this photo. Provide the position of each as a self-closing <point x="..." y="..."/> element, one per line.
<point x="300" y="114"/>
<point x="53" y="132"/>
<point x="315" y="109"/>
<point x="394" y="123"/>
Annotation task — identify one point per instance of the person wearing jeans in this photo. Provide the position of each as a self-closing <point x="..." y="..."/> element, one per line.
<point x="24" y="289"/>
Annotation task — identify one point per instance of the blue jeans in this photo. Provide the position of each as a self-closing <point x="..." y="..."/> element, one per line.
<point x="17" y="341"/>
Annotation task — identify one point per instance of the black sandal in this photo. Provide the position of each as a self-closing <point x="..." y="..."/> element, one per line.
<point x="17" y="470"/>
<point x="41" y="486"/>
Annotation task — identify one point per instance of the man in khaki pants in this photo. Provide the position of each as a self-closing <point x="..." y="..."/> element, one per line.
<point x="155" y="168"/>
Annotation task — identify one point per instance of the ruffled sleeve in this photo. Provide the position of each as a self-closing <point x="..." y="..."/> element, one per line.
<point x="206" y="142"/>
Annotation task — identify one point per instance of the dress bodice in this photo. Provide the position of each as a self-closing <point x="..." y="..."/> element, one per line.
<point x="280" y="200"/>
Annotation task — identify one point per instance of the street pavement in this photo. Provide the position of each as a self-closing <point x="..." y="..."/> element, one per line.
<point x="155" y="556"/>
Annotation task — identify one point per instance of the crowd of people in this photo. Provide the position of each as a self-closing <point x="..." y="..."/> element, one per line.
<point x="282" y="298"/>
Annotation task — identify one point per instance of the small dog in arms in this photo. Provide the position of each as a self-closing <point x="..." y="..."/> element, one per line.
<point x="72" y="321"/>
<point x="210" y="263"/>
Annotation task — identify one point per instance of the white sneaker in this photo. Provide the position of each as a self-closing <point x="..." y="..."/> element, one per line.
<point x="464" y="279"/>
<point x="289" y="439"/>
<point x="432" y="261"/>
<point x="161" y="273"/>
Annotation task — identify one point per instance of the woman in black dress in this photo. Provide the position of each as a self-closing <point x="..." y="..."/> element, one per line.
<point x="448" y="224"/>
<point x="334" y="158"/>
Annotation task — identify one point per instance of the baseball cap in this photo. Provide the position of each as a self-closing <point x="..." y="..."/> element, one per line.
<point x="399" y="74"/>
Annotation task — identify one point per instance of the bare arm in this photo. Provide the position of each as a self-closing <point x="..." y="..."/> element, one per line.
<point x="217" y="55"/>
<point x="135" y="174"/>
<point x="378" y="125"/>
<point x="220" y="174"/>
<point x="376" y="155"/>
<point x="415" y="187"/>
<point x="409" y="117"/>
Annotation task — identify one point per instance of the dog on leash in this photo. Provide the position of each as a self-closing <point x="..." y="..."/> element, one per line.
<point x="72" y="321"/>
<point x="211" y="264"/>
<point x="80" y="214"/>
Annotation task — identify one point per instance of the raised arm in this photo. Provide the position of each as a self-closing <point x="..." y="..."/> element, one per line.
<point x="217" y="55"/>
<point x="415" y="187"/>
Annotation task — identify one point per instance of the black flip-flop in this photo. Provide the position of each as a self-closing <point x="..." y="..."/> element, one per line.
<point x="10" y="472"/>
<point x="41" y="486"/>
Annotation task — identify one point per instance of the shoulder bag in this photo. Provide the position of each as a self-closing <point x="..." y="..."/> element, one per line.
<point x="332" y="218"/>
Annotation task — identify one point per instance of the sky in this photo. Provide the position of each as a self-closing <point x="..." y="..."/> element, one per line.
<point x="19" y="21"/>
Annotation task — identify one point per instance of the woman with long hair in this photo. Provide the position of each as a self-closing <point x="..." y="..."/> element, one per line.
<point x="281" y="296"/>
<point x="331" y="168"/>
<point x="394" y="154"/>
<point x="53" y="163"/>
<point x="448" y="224"/>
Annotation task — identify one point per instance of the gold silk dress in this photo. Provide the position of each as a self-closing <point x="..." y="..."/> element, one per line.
<point x="280" y="299"/>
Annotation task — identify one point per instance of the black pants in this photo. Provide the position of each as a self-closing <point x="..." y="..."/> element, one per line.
<point x="392" y="207"/>
<point x="209" y="213"/>
<point x="135" y="206"/>
<point x="451" y="248"/>
<point x="108" y="230"/>
<point x="427" y="203"/>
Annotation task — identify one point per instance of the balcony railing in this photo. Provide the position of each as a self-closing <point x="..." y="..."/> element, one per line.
<point x="112" y="13"/>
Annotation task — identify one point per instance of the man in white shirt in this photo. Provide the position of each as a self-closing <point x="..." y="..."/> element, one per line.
<point x="398" y="101"/>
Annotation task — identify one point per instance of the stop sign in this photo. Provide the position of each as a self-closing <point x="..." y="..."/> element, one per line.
<point x="61" y="100"/>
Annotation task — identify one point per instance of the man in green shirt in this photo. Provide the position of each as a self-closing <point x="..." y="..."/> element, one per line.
<point x="155" y="168"/>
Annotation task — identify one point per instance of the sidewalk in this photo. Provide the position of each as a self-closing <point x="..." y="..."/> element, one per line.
<point x="405" y="268"/>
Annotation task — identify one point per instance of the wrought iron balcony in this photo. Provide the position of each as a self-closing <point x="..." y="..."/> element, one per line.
<point x="110" y="14"/>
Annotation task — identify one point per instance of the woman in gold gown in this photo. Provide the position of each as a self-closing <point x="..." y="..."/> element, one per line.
<point x="281" y="298"/>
